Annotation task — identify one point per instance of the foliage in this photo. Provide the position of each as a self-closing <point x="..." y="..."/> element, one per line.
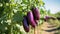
<point x="57" y="14"/>
<point x="12" y="12"/>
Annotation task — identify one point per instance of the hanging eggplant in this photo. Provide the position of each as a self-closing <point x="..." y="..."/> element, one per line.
<point x="25" y="24"/>
<point x="31" y="19"/>
<point x="36" y="13"/>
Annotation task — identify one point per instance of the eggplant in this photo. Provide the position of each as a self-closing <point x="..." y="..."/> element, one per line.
<point x="25" y="24"/>
<point x="31" y="19"/>
<point x="36" y="13"/>
<point x="46" y="18"/>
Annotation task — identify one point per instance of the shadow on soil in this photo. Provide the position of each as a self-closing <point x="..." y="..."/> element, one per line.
<point x="52" y="29"/>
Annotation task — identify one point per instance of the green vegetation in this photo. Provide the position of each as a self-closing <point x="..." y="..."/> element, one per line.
<point x="12" y="12"/>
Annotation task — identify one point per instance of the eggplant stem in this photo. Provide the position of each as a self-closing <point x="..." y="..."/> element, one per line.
<point x="34" y="30"/>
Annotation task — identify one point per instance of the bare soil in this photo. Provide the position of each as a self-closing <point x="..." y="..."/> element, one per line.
<point x="45" y="28"/>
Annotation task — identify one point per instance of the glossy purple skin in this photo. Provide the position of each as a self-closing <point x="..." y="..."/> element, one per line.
<point x="36" y="13"/>
<point x="25" y="24"/>
<point x="31" y="19"/>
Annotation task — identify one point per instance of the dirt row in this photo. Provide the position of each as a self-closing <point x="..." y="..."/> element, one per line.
<point x="45" y="28"/>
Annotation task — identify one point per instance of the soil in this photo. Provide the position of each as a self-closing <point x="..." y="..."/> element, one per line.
<point x="45" y="28"/>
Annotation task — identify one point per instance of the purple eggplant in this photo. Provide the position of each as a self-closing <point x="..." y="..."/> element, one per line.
<point x="31" y="19"/>
<point x="46" y="18"/>
<point x="25" y="24"/>
<point x="36" y="13"/>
